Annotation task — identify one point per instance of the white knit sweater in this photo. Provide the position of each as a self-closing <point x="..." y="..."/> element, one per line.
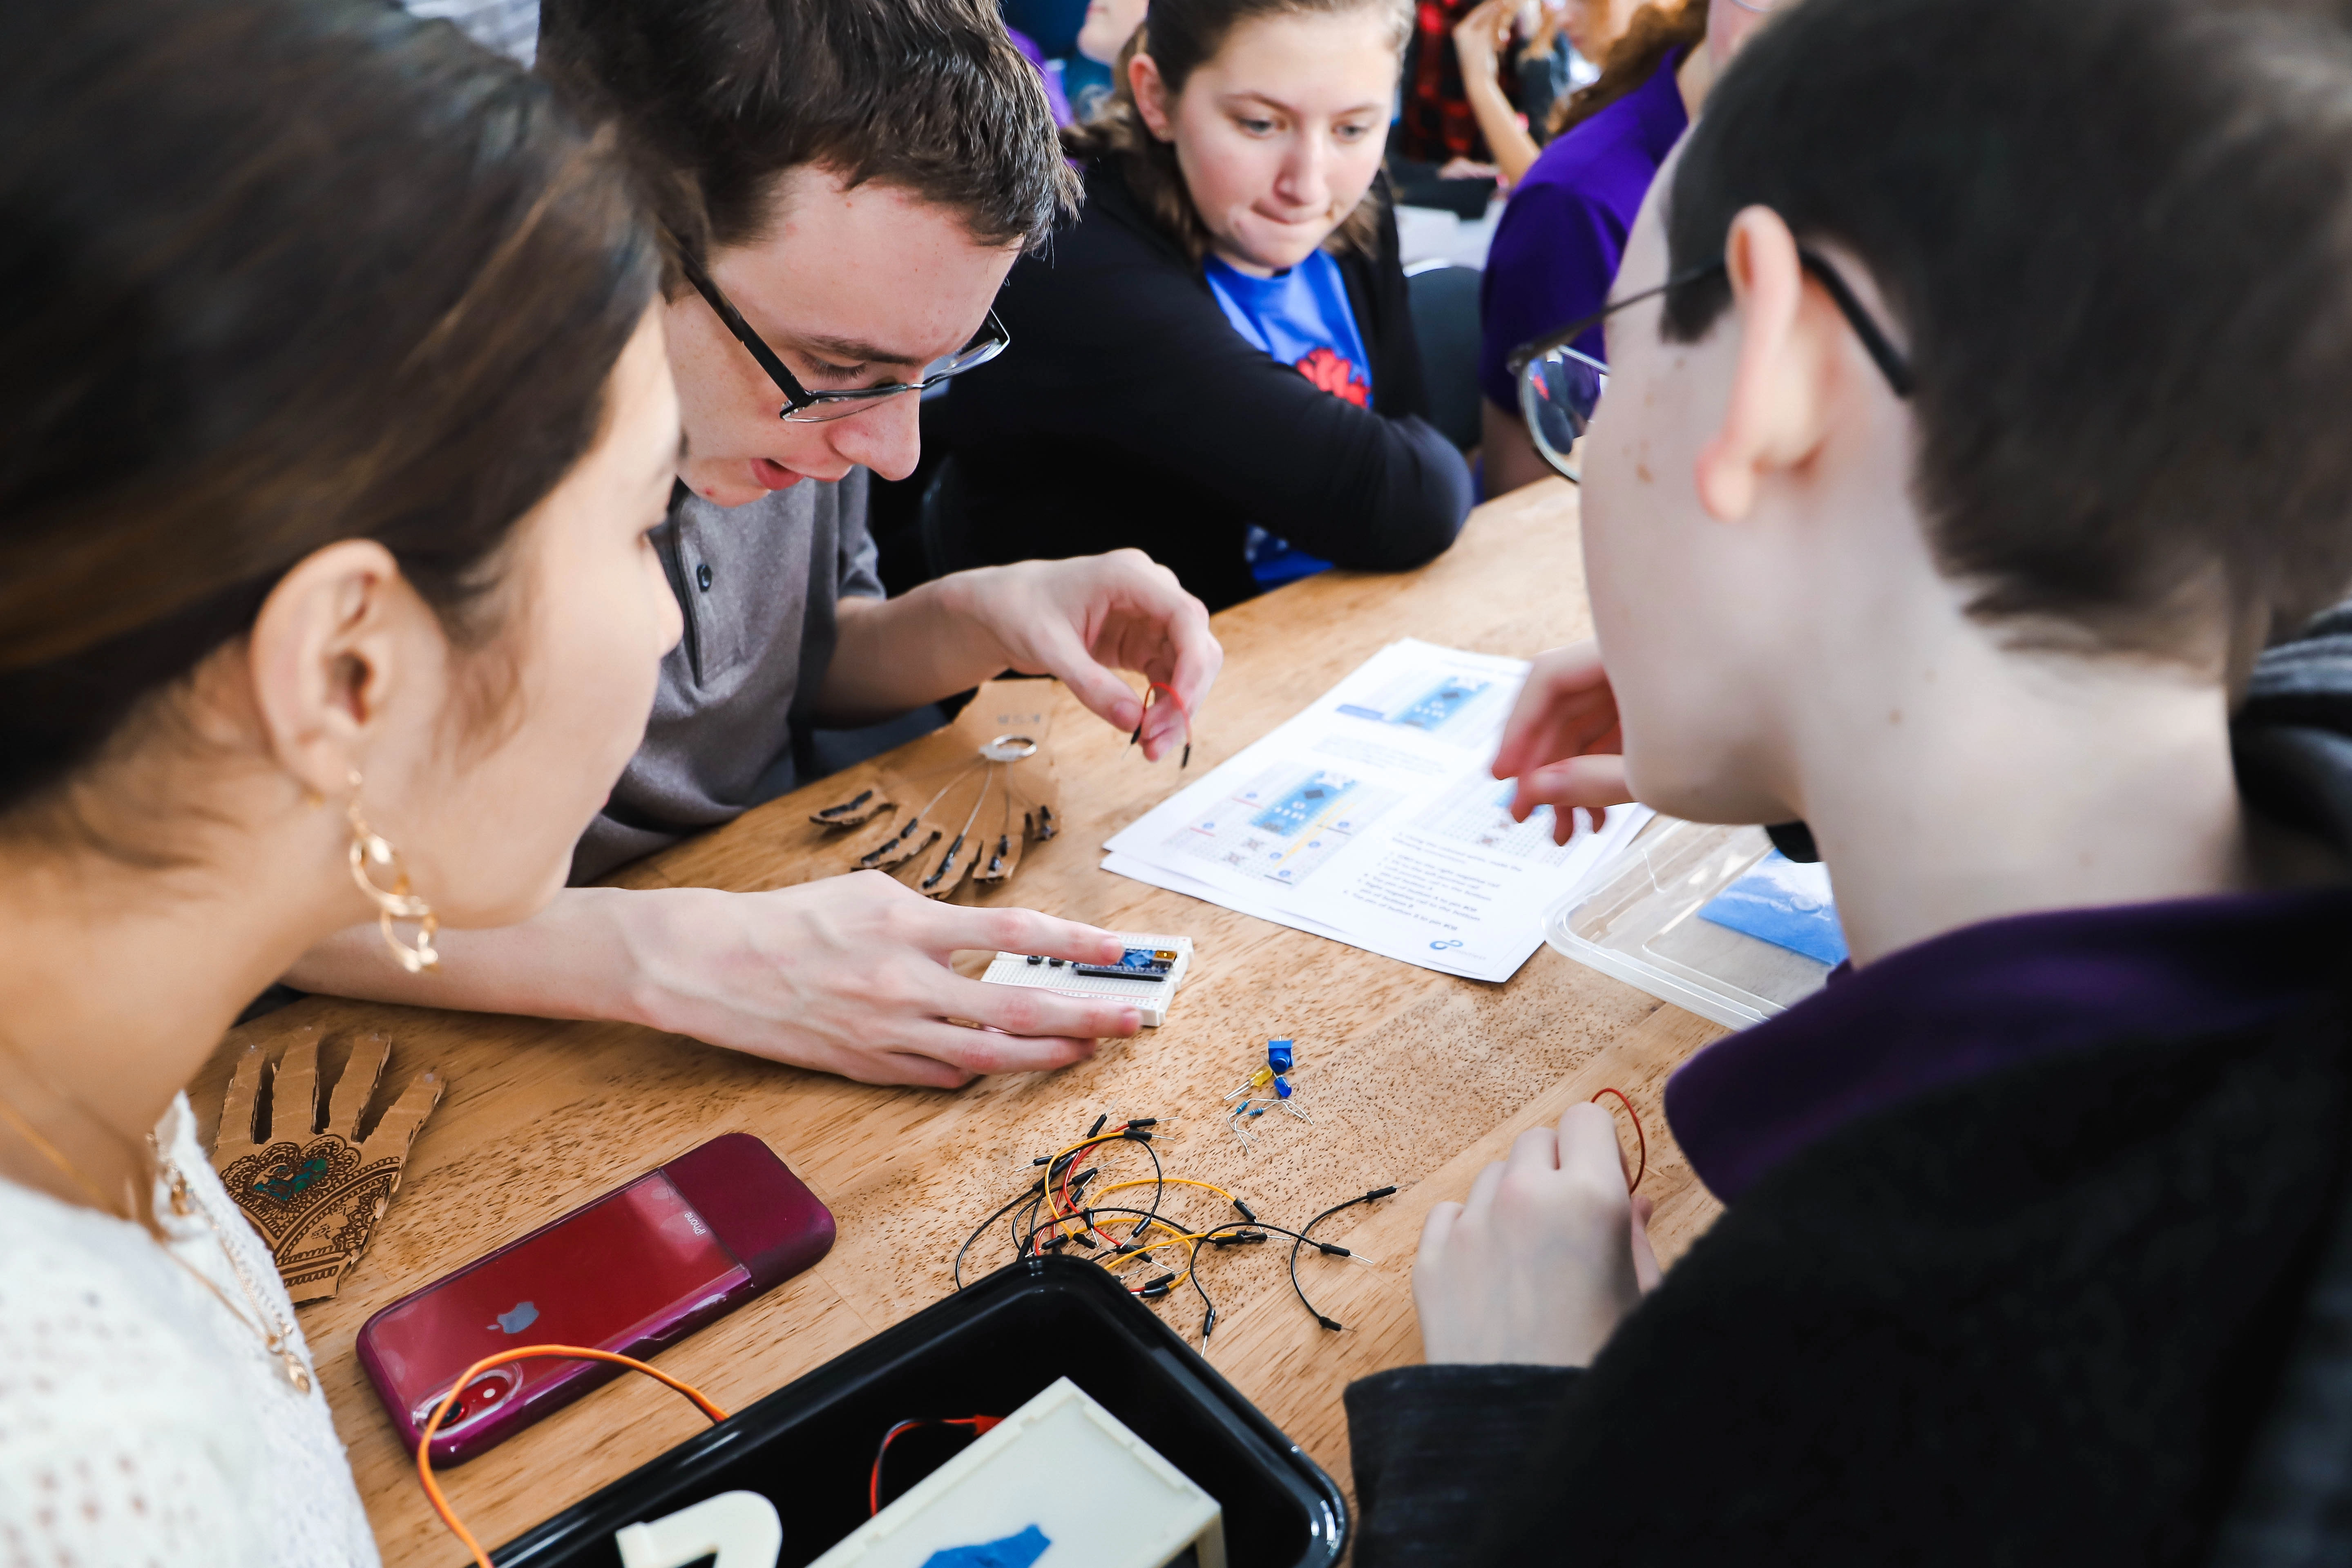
<point x="139" y="1421"/>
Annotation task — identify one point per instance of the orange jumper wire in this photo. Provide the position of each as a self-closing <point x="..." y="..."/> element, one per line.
<point x="571" y="1353"/>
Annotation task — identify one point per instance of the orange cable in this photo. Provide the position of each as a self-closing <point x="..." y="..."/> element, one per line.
<point x="573" y="1352"/>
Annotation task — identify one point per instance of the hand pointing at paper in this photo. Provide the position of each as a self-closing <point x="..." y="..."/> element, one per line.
<point x="1562" y="742"/>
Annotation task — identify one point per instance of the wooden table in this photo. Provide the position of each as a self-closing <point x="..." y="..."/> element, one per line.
<point x="1416" y="1079"/>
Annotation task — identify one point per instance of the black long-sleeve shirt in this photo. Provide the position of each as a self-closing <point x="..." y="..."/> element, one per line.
<point x="1128" y="411"/>
<point x="2035" y="1319"/>
<point x="2091" y="1306"/>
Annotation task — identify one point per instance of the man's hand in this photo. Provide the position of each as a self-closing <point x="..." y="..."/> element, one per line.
<point x="1081" y="620"/>
<point x="1544" y="1258"/>
<point x="1562" y="742"/>
<point x="850" y="975"/>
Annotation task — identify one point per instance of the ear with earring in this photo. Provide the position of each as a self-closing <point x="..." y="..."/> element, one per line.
<point x="369" y="850"/>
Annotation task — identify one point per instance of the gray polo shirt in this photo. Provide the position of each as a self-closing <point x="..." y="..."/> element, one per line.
<point x="759" y="584"/>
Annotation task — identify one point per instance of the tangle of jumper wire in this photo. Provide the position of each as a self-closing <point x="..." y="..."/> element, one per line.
<point x="1073" y="1220"/>
<point x="1065" y="1188"/>
<point x="1070" y="1218"/>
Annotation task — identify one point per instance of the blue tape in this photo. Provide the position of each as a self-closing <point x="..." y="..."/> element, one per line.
<point x="1786" y="904"/>
<point x="1012" y="1552"/>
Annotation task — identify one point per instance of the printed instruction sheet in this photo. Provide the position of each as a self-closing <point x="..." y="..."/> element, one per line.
<point x="1370" y="819"/>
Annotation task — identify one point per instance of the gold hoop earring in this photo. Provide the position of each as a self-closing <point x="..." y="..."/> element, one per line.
<point x="370" y="848"/>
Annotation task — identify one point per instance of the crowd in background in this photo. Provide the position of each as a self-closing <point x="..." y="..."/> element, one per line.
<point x="1480" y="106"/>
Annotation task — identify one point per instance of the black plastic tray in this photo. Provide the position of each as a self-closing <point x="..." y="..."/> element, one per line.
<point x="990" y="1348"/>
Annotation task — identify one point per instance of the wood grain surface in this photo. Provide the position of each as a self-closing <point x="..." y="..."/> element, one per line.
<point x="1414" y="1079"/>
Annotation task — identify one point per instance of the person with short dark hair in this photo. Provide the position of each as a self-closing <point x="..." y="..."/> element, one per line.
<point x="1218" y="363"/>
<point x="334" y="421"/>
<point x="1973" y="423"/>
<point x="844" y="185"/>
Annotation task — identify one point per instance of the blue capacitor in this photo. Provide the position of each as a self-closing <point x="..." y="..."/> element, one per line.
<point x="1278" y="1055"/>
<point x="1281" y="1086"/>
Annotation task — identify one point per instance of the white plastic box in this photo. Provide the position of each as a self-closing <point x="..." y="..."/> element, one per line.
<point x="1067" y="1467"/>
<point x="1637" y="919"/>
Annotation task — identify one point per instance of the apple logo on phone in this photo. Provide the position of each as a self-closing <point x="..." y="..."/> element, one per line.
<point x="521" y="1316"/>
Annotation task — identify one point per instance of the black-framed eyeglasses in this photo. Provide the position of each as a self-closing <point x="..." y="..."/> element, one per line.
<point x="802" y="407"/>
<point x="1559" y="386"/>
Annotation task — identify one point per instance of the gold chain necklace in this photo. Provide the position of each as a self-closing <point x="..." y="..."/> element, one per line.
<point x="281" y="1342"/>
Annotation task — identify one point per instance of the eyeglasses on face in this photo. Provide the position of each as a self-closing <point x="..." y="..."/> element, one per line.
<point x="802" y="407"/>
<point x="1561" y="386"/>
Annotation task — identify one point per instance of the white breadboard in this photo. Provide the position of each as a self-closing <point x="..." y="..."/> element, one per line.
<point x="1150" y="997"/>
<point x="1062" y="1483"/>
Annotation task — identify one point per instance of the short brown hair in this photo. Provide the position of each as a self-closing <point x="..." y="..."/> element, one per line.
<point x="722" y="96"/>
<point x="273" y="274"/>
<point x="1182" y="36"/>
<point x="2116" y="235"/>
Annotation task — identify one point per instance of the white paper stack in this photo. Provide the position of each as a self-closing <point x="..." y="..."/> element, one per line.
<point x="1371" y="819"/>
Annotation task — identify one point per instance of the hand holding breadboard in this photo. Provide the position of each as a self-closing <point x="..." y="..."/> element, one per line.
<point x="1146" y="974"/>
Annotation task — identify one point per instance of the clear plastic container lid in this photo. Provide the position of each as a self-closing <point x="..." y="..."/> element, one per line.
<point x="1638" y="919"/>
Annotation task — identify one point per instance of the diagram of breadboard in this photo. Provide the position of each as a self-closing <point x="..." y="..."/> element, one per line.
<point x="1284" y="823"/>
<point x="1146" y="974"/>
<point x="1477" y="812"/>
<point x="1454" y="705"/>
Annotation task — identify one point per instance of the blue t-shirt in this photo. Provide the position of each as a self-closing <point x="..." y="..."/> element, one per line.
<point x="1301" y="317"/>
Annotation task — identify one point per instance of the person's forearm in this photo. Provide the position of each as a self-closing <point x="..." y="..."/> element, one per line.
<point x="1507" y="455"/>
<point x="890" y="655"/>
<point x="569" y="960"/>
<point x="1400" y="505"/>
<point x="1515" y="150"/>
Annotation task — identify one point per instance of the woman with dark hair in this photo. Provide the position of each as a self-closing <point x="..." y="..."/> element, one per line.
<point x="335" y="419"/>
<point x="1941" y="496"/>
<point x="1217" y="366"/>
<point x="1558" y="244"/>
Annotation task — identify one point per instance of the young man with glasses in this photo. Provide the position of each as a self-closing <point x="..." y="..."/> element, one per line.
<point x="846" y="186"/>
<point x="1972" y="504"/>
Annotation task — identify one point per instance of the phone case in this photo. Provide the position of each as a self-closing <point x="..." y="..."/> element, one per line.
<point x="632" y="1272"/>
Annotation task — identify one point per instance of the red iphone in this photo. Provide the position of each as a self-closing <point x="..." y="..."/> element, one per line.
<point x="639" y="1268"/>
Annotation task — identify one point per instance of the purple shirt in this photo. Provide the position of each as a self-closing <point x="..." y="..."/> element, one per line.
<point x="1560" y="237"/>
<point x="1051" y="75"/>
<point x="1999" y="994"/>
